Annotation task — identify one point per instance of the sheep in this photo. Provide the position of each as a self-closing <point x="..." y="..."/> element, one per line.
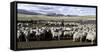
<point x="91" y="36"/>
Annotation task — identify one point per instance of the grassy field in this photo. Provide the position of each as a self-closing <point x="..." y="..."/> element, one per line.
<point x="23" y="17"/>
<point x="53" y="43"/>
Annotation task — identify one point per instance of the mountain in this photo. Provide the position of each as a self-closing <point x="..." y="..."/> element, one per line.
<point x="54" y="14"/>
<point x="21" y="11"/>
<point x="60" y="15"/>
<point x="51" y="14"/>
<point x="72" y="15"/>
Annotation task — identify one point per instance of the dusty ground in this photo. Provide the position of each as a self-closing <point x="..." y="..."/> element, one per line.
<point x="53" y="43"/>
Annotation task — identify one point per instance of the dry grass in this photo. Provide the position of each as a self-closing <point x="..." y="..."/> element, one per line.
<point x="42" y="17"/>
<point x="53" y="43"/>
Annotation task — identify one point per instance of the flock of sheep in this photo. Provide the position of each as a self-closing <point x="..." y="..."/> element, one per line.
<point x="78" y="32"/>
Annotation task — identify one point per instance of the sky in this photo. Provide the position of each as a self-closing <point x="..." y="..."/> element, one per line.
<point x="65" y="10"/>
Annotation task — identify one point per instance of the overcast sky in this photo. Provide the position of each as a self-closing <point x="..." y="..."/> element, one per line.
<point x="66" y="10"/>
